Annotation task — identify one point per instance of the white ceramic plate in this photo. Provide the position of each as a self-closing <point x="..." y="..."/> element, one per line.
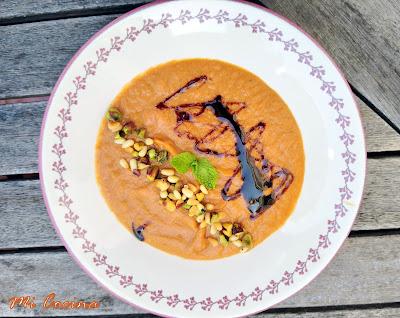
<point x="291" y="63"/>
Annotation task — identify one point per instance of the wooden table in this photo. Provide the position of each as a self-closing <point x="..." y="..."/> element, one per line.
<point x="37" y="38"/>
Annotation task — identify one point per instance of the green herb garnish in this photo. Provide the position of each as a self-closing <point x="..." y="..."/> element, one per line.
<point x="183" y="161"/>
<point x="202" y="169"/>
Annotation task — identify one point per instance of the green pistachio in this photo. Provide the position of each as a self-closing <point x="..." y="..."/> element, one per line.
<point x="187" y="206"/>
<point x="222" y="240"/>
<point x="113" y="114"/>
<point x="247" y="240"/>
<point x="141" y="133"/>
<point x="135" y="154"/>
<point x="127" y="129"/>
<point x="152" y="154"/>
<point x="118" y="135"/>
<point x="162" y="156"/>
<point x="214" y="217"/>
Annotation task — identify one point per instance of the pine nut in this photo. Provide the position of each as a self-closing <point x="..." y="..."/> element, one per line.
<point x="178" y="186"/>
<point x="128" y="143"/>
<point x="193" y="211"/>
<point x="129" y="150"/>
<point x="163" y="185"/>
<point x="200" y="196"/>
<point x="167" y="172"/>
<point x="193" y="188"/>
<point x="228" y="226"/>
<point x="137" y="146"/>
<point x="177" y="195"/>
<point x="187" y="192"/>
<point x="143" y="151"/>
<point x="142" y="166"/>
<point x="133" y="164"/>
<point x="171" y="196"/>
<point x="114" y="126"/>
<point x="173" y="179"/>
<point x="124" y="164"/>
<point x="170" y="205"/>
<point x="237" y="243"/>
<point x="119" y="141"/>
<point x="208" y="218"/>
<point x="200" y="218"/>
<point x="209" y="206"/>
<point x="218" y="226"/>
<point x="148" y="141"/>
<point x="163" y="194"/>
<point x="203" y="189"/>
<point x="192" y="201"/>
<point x="213" y="230"/>
<point x="227" y="233"/>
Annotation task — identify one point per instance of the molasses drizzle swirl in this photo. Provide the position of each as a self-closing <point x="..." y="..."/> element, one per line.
<point x="262" y="186"/>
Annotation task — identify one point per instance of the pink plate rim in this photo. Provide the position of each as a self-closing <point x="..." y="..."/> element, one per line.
<point x="97" y="34"/>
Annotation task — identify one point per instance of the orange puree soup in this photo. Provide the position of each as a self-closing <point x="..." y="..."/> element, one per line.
<point x="134" y="199"/>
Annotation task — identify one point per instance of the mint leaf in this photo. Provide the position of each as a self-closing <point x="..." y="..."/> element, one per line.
<point x="205" y="173"/>
<point x="183" y="161"/>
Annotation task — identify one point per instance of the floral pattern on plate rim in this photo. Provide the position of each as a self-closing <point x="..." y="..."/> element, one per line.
<point x="157" y="295"/>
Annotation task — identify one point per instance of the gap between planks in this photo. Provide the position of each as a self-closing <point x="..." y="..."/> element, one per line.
<point x="61" y="248"/>
<point x="21" y="123"/>
<point x="22" y="200"/>
<point x="73" y="9"/>
<point x="365" y="272"/>
<point x="69" y="11"/>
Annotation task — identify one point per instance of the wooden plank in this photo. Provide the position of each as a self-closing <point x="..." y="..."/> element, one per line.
<point x="362" y="36"/>
<point x="49" y="57"/>
<point x="34" y="54"/>
<point x="15" y="11"/>
<point x="380" y="208"/>
<point x="379" y="135"/>
<point x="329" y="313"/>
<point x="20" y="130"/>
<point x="365" y="271"/>
<point x="24" y="220"/>
<point x="19" y="137"/>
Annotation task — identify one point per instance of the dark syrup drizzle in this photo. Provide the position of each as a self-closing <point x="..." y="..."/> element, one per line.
<point x="138" y="232"/>
<point x="256" y="180"/>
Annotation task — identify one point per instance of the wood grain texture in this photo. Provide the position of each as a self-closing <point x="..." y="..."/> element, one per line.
<point x="380" y="207"/>
<point x="24" y="219"/>
<point x="379" y="135"/>
<point x="365" y="271"/>
<point x="19" y="137"/>
<point x="34" y="54"/>
<point x="344" y="313"/>
<point x="25" y="223"/>
<point x="49" y="51"/>
<point x="362" y="36"/>
<point x="16" y="11"/>
<point x="20" y="130"/>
